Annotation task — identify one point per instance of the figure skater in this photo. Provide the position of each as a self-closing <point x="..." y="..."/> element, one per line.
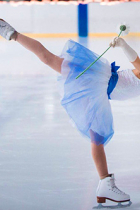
<point x="86" y="99"/>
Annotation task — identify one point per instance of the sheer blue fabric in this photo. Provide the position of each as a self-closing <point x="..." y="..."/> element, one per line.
<point x="86" y="99"/>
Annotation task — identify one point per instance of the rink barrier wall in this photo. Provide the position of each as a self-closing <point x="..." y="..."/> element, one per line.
<point x="58" y="19"/>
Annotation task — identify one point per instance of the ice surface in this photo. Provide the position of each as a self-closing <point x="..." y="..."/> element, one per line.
<point x="45" y="164"/>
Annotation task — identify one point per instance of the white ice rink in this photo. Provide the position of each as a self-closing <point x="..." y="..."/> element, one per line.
<point x="45" y="164"/>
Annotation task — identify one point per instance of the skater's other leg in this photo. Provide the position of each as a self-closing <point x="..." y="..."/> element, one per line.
<point x="99" y="157"/>
<point x="39" y="50"/>
<point x="106" y="189"/>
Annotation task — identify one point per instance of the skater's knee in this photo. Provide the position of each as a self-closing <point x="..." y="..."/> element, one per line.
<point x="54" y="62"/>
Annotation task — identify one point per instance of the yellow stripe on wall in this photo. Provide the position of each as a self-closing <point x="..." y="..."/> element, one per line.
<point x="136" y="34"/>
<point x="61" y="35"/>
<point x="71" y="35"/>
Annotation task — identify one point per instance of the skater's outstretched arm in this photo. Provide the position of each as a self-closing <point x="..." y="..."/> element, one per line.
<point x="129" y="52"/>
<point x="9" y="33"/>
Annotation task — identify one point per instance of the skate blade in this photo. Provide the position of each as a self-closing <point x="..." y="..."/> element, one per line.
<point x="100" y="206"/>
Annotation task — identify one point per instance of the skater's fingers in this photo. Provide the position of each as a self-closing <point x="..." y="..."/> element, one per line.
<point x="117" y="41"/>
<point x="116" y="38"/>
<point x="112" y="44"/>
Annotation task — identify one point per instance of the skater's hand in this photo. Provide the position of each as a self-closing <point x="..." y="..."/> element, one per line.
<point x="117" y="42"/>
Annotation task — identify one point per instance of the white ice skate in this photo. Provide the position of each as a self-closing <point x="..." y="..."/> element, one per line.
<point x="107" y="190"/>
<point x="6" y="31"/>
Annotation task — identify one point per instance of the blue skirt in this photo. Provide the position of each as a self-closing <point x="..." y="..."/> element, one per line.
<point x="85" y="99"/>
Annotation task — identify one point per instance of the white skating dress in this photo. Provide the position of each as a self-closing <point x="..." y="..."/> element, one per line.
<point x="128" y="86"/>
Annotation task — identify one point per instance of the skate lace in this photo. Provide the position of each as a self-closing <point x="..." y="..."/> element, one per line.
<point x="114" y="188"/>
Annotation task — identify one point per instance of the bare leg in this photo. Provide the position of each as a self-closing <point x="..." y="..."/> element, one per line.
<point x="39" y="50"/>
<point x="99" y="158"/>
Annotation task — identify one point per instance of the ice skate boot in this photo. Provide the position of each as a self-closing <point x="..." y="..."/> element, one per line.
<point x="6" y="31"/>
<point x="107" y="190"/>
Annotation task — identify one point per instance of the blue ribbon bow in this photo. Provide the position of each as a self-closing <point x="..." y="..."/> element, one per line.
<point x="113" y="79"/>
